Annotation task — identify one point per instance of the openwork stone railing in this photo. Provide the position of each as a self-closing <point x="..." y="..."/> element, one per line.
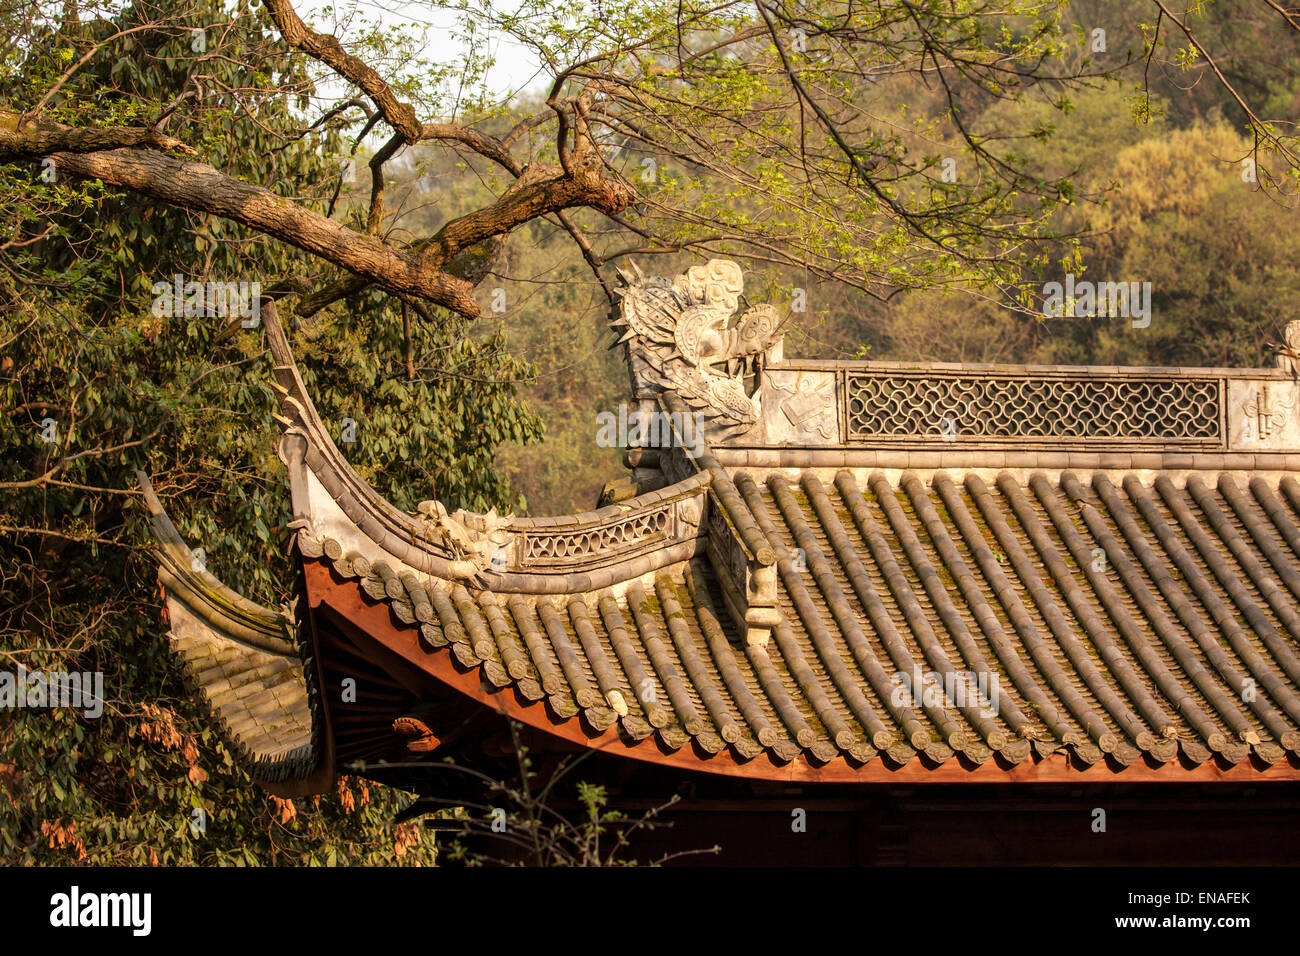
<point x="1010" y="408"/>
<point x="611" y="537"/>
<point x="887" y="405"/>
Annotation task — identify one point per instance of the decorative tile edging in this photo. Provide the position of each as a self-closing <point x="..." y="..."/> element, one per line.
<point x="748" y="581"/>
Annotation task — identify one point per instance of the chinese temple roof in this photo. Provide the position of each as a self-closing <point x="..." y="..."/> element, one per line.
<point x="243" y="658"/>
<point x="818" y="571"/>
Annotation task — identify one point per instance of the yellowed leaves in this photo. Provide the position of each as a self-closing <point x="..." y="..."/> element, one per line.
<point x="283" y="810"/>
<point x="349" y="800"/>
<point x="159" y="727"/>
<point x="405" y="835"/>
<point x="63" y="836"/>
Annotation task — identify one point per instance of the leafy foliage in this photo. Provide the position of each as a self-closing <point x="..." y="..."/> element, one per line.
<point x="87" y="349"/>
<point x="1052" y="177"/>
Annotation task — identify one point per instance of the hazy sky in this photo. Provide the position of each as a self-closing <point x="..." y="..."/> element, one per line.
<point x="516" y="67"/>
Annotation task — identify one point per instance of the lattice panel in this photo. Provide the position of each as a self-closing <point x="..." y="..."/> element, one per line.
<point x="1115" y="409"/>
<point x="616" y="536"/>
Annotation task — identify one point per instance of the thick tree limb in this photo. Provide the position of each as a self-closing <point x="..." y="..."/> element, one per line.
<point x="199" y="186"/>
<point x="19" y="140"/>
<point x="471" y="244"/>
<point x="472" y="265"/>
<point x="539" y="191"/>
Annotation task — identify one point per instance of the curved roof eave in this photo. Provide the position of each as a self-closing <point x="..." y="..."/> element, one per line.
<point x="227" y="643"/>
<point x="548" y="555"/>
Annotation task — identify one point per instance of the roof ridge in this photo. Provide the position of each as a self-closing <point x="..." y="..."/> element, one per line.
<point x="244" y="620"/>
<point x="461" y="546"/>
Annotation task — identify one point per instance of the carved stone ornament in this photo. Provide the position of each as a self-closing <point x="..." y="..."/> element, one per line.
<point x="1288" y="354"/>
<point x="1263" y="415"/>
<point x="1268" y="416"/>
<point x="806" y="400"/>
<point x="479" y="540"/>
<point x="680" y="336"/>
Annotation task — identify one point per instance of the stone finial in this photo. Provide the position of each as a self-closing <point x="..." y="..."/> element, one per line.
<point x="680" y="336"/>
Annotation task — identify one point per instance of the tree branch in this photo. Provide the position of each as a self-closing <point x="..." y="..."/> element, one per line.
<point x="487" y="146"/>
<point x="540" y="190"/>
<point x="199" y="186"/>
<point x="28" y="140"/>
<point x="328" y="50"/>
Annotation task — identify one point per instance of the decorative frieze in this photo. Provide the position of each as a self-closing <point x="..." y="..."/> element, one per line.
<point x="1264" y="415"/>
<point x="801" y="407"/>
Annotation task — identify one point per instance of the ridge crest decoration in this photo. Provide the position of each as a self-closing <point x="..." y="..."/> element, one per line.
<point x="680" y="337"/>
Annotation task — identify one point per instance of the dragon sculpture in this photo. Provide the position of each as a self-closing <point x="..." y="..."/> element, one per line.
<point x="680" y="337"/>
<point x="477" y="541"/>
